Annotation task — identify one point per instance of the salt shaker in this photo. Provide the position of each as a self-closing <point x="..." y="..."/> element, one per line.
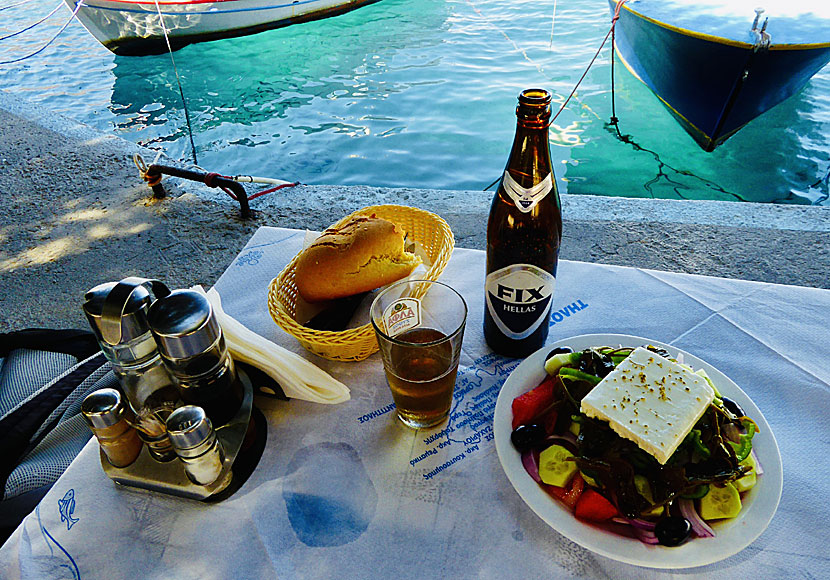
<point x="117" y="313"/>
<point x="193" y="349"/>
<point x="195" y="442"/>
<point x="105" y="415"/>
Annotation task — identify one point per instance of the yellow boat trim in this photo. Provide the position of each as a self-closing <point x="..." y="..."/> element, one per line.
<point x="666" y="103"/>
<point x="720" y="39"/>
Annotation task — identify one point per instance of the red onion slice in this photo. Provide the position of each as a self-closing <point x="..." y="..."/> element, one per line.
<point x="642" y="524"/>
<point x="530" y="461"/>
<point x="758" y="469"/>
<point x="646" y="537"/>
<point x="699" y="527"/>
<point x="566" y="436"/>
<point x="638" y="523"/>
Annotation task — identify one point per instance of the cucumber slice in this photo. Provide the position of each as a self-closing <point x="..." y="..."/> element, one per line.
<point x="588" y="479"/>
<point x="556" y="466"/>
<point x="720" y="502"/>
<point x="747" y="482"/>
<point x="557" y="361"/>
<point x="644" y="489"/>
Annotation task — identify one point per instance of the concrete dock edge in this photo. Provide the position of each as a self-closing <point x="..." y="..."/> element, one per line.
<point x="75" y="213"/>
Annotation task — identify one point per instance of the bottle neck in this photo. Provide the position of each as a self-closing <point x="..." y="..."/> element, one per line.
<point x="529" y="161"/>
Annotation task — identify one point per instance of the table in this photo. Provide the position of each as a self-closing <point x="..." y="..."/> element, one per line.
<point x="346" y="491"/>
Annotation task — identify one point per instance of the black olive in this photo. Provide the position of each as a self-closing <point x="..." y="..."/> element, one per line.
<point x="716" y="467"/>
<point x="673" y="530"/>
<point x="604" y="366"/>
<point x="595" y="363"/>
<point x="558" y="350"/>
<point x="733" y="407"/>
<point x="661" y="351"/>
<point x="525" y="437"/>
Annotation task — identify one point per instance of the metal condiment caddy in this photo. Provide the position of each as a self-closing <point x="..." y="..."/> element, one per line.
<point x="191" y="407"/>
<point x="171" y="477"/>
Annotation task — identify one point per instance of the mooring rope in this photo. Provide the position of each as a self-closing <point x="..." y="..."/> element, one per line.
<point x="42" y="48"/>
<point x="826" y="194"/>
<point x="614" y="119"/>
<point x="593" y="60"/>
<point x="210" y="179"/>
<point x="14" y="5"/>
<point x="55" y="9"/>
<point x="179" y="82"/>
<point x="564" y="103"/>
<point x="662" y="166"/>
<point x="552" y="22"/>
<point x="515" y="45"/>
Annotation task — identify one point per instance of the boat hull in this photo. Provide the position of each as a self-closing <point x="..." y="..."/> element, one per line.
<point x="712" y="85"/>
<point x="133" y="27"/>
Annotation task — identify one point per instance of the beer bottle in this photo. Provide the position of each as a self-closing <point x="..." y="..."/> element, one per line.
<point x="524" y="231"/>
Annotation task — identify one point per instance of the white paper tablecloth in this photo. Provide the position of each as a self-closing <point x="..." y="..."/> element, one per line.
<point x="346" y="491"/>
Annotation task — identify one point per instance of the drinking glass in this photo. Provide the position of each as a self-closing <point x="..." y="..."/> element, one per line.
<point x="419" y="326"/>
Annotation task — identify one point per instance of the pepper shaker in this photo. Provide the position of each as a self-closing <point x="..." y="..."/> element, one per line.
<point x="195" y="442"/>
<point x="193" y="349"/>
<point x="105" y="415"/>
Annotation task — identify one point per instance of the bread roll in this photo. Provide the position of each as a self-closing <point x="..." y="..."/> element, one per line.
<point x="361" y="255"/>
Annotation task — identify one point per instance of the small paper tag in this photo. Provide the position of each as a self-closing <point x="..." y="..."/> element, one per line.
<point x="402" y="315"/>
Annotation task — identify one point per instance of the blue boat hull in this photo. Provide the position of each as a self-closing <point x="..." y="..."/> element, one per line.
<point x="713" y="86"/>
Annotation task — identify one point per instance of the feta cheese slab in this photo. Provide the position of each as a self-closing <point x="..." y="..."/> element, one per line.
<point x="651" y="401"/>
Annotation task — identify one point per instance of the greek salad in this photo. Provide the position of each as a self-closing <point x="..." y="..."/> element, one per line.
<point x="610" y="474"/>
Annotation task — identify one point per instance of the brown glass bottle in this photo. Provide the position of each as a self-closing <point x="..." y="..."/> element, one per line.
<point x="524" y="232"/>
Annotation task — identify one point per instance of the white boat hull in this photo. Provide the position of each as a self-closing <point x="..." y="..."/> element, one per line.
<point x="134" y="26"/>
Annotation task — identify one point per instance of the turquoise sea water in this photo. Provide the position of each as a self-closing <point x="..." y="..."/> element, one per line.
<point x="415" y="93"/>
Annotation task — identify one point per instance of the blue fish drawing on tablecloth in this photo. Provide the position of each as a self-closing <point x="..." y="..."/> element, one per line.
<point x="66" y="506"/>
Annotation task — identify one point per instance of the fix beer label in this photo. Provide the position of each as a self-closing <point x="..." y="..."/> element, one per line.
<point x="519" y="299"/>
<point x="524" y="198"/>
<point x="402" y="315"/>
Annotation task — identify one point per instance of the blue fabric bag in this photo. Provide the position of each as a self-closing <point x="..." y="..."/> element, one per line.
<point x="44" y="377"/>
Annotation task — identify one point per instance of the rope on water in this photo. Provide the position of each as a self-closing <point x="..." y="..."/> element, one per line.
<point x="15" y="5"/>
<point x="179" y="82"/>
<point x="552" y="22"/>
<point x="42" y="48"/>
<point x="615" y="121"/>
<point x="55" y="9"/>
<point x="584" y="74"/>
<point x="664" y="170"/>
<point x="825" y="195"/>
<point x="515" y="45"/>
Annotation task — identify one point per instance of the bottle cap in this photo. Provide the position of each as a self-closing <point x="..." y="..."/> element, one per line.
<point x="183" y="324"/>
<point x="102" y="408"/>
<point x="188" y="427"/>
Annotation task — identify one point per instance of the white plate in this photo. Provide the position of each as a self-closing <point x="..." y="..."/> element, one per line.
<point x="731" y="537"/>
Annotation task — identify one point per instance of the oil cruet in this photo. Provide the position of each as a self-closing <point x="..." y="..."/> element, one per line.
<point x="117" y="313"/>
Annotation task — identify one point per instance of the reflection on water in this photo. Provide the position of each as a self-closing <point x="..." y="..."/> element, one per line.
<point x="420" y="94"/>
<point x="264" y="99"/>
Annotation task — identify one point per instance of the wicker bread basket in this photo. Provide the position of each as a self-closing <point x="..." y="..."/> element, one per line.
<point x="427" y="229"/>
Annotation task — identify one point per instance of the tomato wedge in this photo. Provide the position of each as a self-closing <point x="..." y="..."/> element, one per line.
<point x="533" y="402"/>
<point x="593" y="507"/>
<point x="568" y="495"/>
